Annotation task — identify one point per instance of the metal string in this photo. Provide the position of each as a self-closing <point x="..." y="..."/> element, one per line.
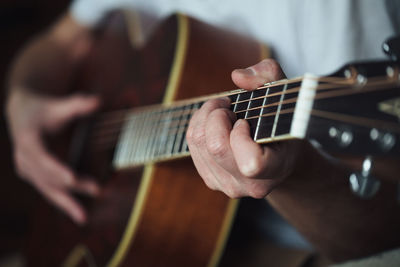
<point x="109" y="133"/>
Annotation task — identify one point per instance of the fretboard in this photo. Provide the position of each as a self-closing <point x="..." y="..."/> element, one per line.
<point x="158" y="133"/>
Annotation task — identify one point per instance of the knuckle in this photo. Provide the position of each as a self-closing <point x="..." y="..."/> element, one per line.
<point x="212" y="103"/>
<point x="221" y="114"/>
<point x="272" y="66"/>
<point x="197" y="137"/>
<point x="252" y="168"/>
<point x="217" y="146"/>
<point x="189" y="134"/>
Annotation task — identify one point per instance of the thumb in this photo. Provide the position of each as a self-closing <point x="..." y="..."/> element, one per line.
<point x="60" y="111"/>
<point x="268" y="70"/>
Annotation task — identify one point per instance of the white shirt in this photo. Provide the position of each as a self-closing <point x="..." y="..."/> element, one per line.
<point x="306" y="36"/>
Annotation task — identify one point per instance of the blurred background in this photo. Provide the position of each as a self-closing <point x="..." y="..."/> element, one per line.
<point x="20" y="20"/>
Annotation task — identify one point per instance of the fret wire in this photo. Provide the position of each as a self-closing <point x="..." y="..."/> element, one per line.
<point x="183" y="129"/>
<point x="261" y="113"/>
<point x="248" y="105"/>
<point x="170" y="140"/>
<point x="148" y="133"/>
<point x="195" y="107"/>
<point x="137" y="148"/>
<point x="235" y="104"/>
<point x="144" y="143"/>
<point x="128" y="140"/>
<point x="292" y="100"/>
<point x="146" y="138"/>
<point x="333" y="81"/>
<point x="177" y="133"/>
<point x="295" y="89"/>
<point x="165" y="118"/>
<point x="285" y="101"/>
<point x="237" y="95"/>
<point x="278" y="111"/>
<point x="126" y="147"/>
<point x="186" y="118"/>
<point x="119" y="151"/>
<point x="131" y="137"/>
<point x="155" y="135"/>
<point x="164" y="139"/>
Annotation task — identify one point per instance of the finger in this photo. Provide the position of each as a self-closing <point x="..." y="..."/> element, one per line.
<point x="64" y="201"/>
<point x="59" y="111"/>
<point x="86" y="186"/>
<point x="252" y="160"/>
<point x="203" y="169"/>
<point x="44" y="166"/>
<point x="35" y="163"/>
<point x="267" y="70"/>
<point x="212" y="173"/>
<point x="217" y="131"/>
<point x="215" y="177"/>
<point x="197" y="141"/>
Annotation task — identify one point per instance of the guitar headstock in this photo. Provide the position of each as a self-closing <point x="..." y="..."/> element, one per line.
<point x="357" y="109"/>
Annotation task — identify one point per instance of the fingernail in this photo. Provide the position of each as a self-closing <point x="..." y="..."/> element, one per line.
<point x="249" y="71"/>
<point x="238" y="123"/>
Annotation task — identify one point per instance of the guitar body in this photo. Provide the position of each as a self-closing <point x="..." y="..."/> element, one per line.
<point x="160" y="214"/>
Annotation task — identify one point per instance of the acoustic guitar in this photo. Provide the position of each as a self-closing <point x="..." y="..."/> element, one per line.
<point x="154" y="209"/>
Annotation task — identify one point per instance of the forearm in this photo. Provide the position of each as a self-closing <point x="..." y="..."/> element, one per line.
<point x="48" y="62"/>
<point x="317" y="200"/>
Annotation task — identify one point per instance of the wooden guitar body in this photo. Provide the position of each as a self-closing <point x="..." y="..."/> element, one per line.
<point x="160" y="214"/>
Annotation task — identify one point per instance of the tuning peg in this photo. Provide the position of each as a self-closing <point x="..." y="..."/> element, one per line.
<point x="363" y="184"/>
<point x="392" y="48"/>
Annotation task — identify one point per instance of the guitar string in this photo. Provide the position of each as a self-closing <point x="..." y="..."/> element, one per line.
<point x="181" y="126"/>
<point x="255" y="117"/>
<point x="276" y="84"/>
<point x="115" y="119"/>
<point x="356" y="120"/>
<point x="284" y="102"/>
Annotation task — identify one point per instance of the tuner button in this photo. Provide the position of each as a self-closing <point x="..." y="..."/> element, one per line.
<point x="343" y="137"/>
<point x="346" y="138"/>
<point x="390" y="71"/>
<point x="347" y="73"/>
<point x="392" y="48"/>
<point x="362" y="183"/>
<point x="386" y="141"/>
<point x="361" y="79"/>
<point x="374" y="134"/>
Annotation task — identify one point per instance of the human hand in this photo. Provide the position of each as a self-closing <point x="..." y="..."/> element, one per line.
<point x="223" y="152"/>
<point x="29" y="117"/>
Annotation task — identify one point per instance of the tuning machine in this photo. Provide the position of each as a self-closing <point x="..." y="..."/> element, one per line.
<point x="363" y="184"/>
<point x="392" y="48"/>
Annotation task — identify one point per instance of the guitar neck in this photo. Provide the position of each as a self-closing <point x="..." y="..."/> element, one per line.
<point x="318" y="108"/>
<point x="158" y="133"/>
